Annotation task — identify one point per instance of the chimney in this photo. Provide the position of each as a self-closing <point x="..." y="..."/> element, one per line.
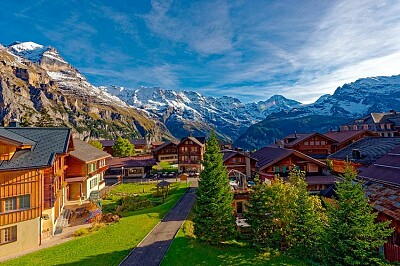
<point x="14" y="123"/>
<point x="393" y="112"/>
<point x="295" y="134"/>
<point x="330" y="129"/>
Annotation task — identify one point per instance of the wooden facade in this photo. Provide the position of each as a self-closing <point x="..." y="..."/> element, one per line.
<point x="167" y="152"/>
<point x="190" y="155"/>
<point x="240" y="162"/>
<point x="315" y="145"/>
<point x="84" y="177"/>
<point x="17" y="186"/>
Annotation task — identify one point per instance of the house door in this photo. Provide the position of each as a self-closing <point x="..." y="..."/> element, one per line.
<point x="239" y="207"/>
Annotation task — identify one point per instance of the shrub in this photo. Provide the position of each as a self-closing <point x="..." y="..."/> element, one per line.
<point x="81" y="232"/>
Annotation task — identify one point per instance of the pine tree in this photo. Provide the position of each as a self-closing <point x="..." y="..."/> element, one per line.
<point x="353" y="237"/>
<point x="310" y="218"/>
<point x="123" y="147"/>
<point x="213" y="212"/>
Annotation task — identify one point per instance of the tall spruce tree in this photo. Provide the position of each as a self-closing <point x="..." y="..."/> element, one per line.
<point x="213" y="212"/>
<point x="353" y="237"/>
<point x="310" y="218"/>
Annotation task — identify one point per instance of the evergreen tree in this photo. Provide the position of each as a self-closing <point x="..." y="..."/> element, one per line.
<point x="213" y="212"/>
<point x="310" y="218"/>
<point x="353" y="237"/>
<point x="123" y="147"/>
<point x="96" y="144"/>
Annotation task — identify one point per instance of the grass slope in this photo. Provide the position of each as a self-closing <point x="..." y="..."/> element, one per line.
<point x="109" y="245"/>
<point x="186" y="250"/>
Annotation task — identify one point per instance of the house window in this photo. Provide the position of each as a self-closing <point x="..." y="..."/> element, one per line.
<point x="317" y="143"/>
<point x="284" y="169"/>
<point x="93" y="183"/>
<point x="25" y="201"/>
<point x="306" y="143"/>
<point x="8" y="235"/>
<point x="194" y="149"/>
<point x="10" y="204"/>
<point x="323" y="142"/>
<point x="276" y="169"/>
<point x="312" y="143"/>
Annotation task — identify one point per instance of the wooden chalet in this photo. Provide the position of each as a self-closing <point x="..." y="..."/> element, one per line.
<point x="166" y="152"/>
<point x="382" y="186"/>
<point x="32" y="186"/>
<point x="129" y="167"/>
<point x="240" y="167"/>
<point x="273" y="161"/>
<point x="383" y="124"/>
<point x="85" y="172"/>
<point x="239" y="161"/>
<point x="314" y="144"/>
<point x="362" y="153"/>
<point x="345" y="138"/>
<point x="190" y="154"/>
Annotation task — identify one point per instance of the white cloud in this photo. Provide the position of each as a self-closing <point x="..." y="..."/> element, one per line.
<point x="204" y="27"/>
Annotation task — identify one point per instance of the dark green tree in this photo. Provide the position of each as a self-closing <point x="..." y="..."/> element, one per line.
<point x="96" y="144"/>
<point x="213" y="212"/>
<point x="123" y="147"/>
<point x="353" y="235"/>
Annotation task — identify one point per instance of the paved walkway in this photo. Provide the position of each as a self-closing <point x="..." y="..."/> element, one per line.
<point x="155" y="245"/>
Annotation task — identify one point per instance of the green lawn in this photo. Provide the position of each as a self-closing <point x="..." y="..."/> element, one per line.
<point x="185" y="250"/>
<point x="109" y="245"/>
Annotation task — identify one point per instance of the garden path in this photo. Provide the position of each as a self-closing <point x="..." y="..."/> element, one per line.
<point x="151" y="250"/>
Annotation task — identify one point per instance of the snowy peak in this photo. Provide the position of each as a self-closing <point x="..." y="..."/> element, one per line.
<point x="28" y="50"/>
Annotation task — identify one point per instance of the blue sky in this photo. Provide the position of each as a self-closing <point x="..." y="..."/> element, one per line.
<point x="246" y="49"/>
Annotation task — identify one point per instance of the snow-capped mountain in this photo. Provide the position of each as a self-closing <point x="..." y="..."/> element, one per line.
<point x="186" y="111"/>
<point x="353" y="100"/>
<point x="69" y="79"/>
<point x="38" y="86"/>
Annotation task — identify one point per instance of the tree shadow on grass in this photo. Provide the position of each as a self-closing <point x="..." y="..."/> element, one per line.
<point x="112" y="258"/>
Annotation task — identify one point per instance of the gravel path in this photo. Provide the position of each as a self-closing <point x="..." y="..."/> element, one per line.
<point x="154" y="246"/>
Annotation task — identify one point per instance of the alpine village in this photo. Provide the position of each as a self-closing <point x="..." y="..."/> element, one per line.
<point x="107" y="175"/>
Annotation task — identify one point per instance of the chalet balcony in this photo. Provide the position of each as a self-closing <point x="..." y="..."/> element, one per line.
<point x="98" y="171"/>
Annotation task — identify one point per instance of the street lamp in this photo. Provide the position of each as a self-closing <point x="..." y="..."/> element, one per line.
<point x="122" y="174"/>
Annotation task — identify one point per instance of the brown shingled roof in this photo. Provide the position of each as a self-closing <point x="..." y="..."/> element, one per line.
<point x="343" y="136"/>
<point x="86" y="152"/>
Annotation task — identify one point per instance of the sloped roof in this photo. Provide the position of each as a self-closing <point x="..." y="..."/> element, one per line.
<point x="299" y="137"/>
<point x="9" y="135"/>
<point x="371" y="149"/>
<point x="198" y="140"/>
<point x="86" y="152"/>
<point x="268" y="155"/>
<point x="343" y="136"/>
<point x="127" y="162"/>
<point x="164" y="145"/>
<point x="230" y="153"/>
<point x="47" y="143"/>
<point x="386" y="169"/>
<point x="377" y="117"/>
<point x="384" y="198"/>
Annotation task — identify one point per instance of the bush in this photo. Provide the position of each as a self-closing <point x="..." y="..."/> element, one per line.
<point x="81" y="232"/>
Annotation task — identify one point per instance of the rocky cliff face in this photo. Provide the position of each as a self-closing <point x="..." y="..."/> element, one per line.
<point x="39" y="88"/>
